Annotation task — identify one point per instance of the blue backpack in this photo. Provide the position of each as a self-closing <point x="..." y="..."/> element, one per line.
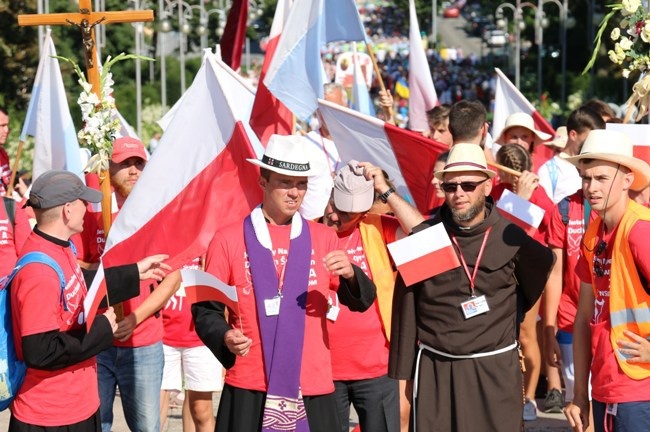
<point x="12" y="370"/>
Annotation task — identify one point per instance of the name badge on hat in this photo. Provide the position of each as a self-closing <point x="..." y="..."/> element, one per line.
<point x="475" y="306"/>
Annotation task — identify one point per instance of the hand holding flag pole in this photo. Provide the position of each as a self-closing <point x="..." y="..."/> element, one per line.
<point x="388" y="111"/>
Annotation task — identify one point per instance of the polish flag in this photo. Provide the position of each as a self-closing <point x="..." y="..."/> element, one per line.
<point x="509" y="100"/>
<point x="424" y="254"/>
<point x="521" y="212"/>
<point x="639" y="134"/>
<point x="406" y="156"/>
<point x="234" y="34"/>
<point x="202" y="286"/>
<point x="296" y="75"/>
<point x="197" y="180"/>
<point x="269" y="115"/>
<point x="423" y="95"/>
<point x="48" y="118"/>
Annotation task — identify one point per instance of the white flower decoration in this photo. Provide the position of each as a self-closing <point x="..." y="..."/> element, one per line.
<point x="616" y="33"/>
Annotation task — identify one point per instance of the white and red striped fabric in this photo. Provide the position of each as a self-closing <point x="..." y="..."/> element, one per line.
<point x="424" y="254"/>
<point x="639" y="134"/>
<point x="407" y="157"/>
<point x="509" y="100"/>
<point x="521" y="212"/>
<point x="269" y="115"/>
<point x="423" y="96"/>
<point x="234" y="34"/>
<point x="201" y="286"/>
<point x="197" y="180"/>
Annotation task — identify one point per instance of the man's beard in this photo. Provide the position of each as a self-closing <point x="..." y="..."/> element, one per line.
<point x="470" y="213"/>
<point x="123" y="190"/>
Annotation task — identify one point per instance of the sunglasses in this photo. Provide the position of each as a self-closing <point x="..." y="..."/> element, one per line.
<point x="599" y="270"/>
<point x="465" y="186"/>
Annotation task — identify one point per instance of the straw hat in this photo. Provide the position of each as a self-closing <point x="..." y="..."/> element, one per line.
<point x="560" y="139"/>
<point x="523" y="120"/>
<point x="465" y="158"/>
<point x="288" y="155"/>
<point x="614" y="147"/>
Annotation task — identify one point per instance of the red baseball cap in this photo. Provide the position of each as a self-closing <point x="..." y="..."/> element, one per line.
<point x="127" y="147"/>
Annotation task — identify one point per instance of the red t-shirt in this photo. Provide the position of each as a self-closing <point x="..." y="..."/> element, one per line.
<point x="177" y="318"/>
<point x="5" y="170"/>
<point x="65" y="396"/>
<point x="227" y="260"/>
<point x="12" y="238"/>
<point x="539" y="198"/>
<point x="90" y="246"/>
<point x="357" y="340"/>
<point x="609" y="383"/>
<point x="568" y="238"/>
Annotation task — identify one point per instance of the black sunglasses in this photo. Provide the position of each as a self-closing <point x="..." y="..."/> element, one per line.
<point x="465" y="186"/>
<point x="599" y="270"/>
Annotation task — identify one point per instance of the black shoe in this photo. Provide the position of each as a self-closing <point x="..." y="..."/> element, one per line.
<point x="554" y="402"/>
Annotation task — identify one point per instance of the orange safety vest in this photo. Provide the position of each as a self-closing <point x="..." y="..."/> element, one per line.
<point x="629" y="303"/>
<point x="374" y="247"/>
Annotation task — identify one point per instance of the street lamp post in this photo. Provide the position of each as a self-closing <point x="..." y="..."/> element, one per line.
<point x="540" y="24"/>
<point x="434" y="24"/>
<point x="519" y="25"/>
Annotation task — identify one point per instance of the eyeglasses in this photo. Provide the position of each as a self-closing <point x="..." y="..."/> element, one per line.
<point x="465" y="186"/>
<point x="599" y="269"/>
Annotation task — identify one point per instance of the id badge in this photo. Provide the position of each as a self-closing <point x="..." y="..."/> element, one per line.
<point x="475" y="306"/>
<point x="333" y="310"/>
<point x="612" y="409"/>
<point x="272" y="306"/>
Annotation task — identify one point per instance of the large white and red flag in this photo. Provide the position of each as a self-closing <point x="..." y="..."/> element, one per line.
<point x="197" y="180"/>
<point x="296" y="74"/>
<point x="269" y="115"/>
<point x="406" y="156"/>
<point x="424" y="254"/>
<point x="520" y="211"/>
<point x="202" y="286"/>
<point x="639" y="134"/>
<point x="48" y="118"/>
<point x="422" y="97"/>
<point x="509" y="100"/>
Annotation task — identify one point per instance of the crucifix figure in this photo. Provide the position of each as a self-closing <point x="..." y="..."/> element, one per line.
<point x="86" y="19"/>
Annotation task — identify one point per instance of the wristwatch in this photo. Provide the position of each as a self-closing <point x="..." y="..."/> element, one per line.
<point x="384" y="197"/>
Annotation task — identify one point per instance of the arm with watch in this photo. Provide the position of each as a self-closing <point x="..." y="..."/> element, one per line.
<point x="407" y="215"/>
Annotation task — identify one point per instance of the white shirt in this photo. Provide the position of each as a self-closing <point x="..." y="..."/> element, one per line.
<point x="559" y="178"/>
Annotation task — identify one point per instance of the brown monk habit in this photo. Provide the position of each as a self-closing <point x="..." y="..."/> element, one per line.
<point x="469" y="394"/>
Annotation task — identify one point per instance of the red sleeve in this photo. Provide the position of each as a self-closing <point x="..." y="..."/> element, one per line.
<point x="36" y="299"/>
<point x="217" y="261"/>
<point x="556" y="234"/>
<point x="22" y="229"/>
<point x="640" y="247"/>
<point x="583" y="271"/>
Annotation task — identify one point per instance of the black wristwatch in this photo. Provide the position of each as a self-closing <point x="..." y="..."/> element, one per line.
<point x="384" y="197"/>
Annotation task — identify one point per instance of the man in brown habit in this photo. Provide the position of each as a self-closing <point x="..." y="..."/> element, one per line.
<point x="454" y="335"/>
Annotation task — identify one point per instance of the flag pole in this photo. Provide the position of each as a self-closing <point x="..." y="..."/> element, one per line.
<point x="14" y="169"/>
<point x="504" y="169"/>
<point x="388" y="111"/>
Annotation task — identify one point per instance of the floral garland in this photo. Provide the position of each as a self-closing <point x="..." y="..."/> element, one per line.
<point x="631" y="49"/>
<point x="99" y="114"/>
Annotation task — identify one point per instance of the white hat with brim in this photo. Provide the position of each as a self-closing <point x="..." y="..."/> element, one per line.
<point x="465" y="158"/>
<point x="560" y="139"/>
<point x="288" y="155"/>
<point x="522" y="120"/>
<point x="615" y="147"/>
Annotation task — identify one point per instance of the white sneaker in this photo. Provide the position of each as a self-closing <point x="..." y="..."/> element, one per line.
<point x="530" y="410"/>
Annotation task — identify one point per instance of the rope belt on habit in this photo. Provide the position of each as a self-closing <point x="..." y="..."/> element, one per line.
<point x="423" y="347"/>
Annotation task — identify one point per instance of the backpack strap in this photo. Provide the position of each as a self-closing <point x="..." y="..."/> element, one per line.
<point x="41" y="258"/>
<point x="563" y="207"/>
<point x="10" y="206"/>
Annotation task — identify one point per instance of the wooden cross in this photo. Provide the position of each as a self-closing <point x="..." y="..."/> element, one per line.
<point x="86" y="20"/>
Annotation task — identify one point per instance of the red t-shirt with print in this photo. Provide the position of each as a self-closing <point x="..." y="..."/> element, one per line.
<point x="178" y="326"/>
<point x="227" y="260"/>
<point x="357" y="340"/>
<point x="64" y="396"/>
<point x="609" y="383"/>
<point x="12" y="238"/>
<point x="568" y="237"/>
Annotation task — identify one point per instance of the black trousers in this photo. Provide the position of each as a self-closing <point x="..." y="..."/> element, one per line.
<point x="91" y="424"/>
<point x="242" y="410"/>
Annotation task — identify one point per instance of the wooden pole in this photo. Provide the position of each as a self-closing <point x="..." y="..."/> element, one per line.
<point x="388" y="112"/>
<point x="14" y="169"/>
<point x="504" y="169"/>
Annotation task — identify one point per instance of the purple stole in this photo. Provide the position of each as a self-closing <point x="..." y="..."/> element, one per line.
<point x="283" y="334"/>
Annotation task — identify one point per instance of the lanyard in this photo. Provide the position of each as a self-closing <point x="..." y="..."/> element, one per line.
<point x="478" y="260"/>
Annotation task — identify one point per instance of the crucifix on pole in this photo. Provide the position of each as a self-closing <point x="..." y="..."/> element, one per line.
<point x="86" y="19"/>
